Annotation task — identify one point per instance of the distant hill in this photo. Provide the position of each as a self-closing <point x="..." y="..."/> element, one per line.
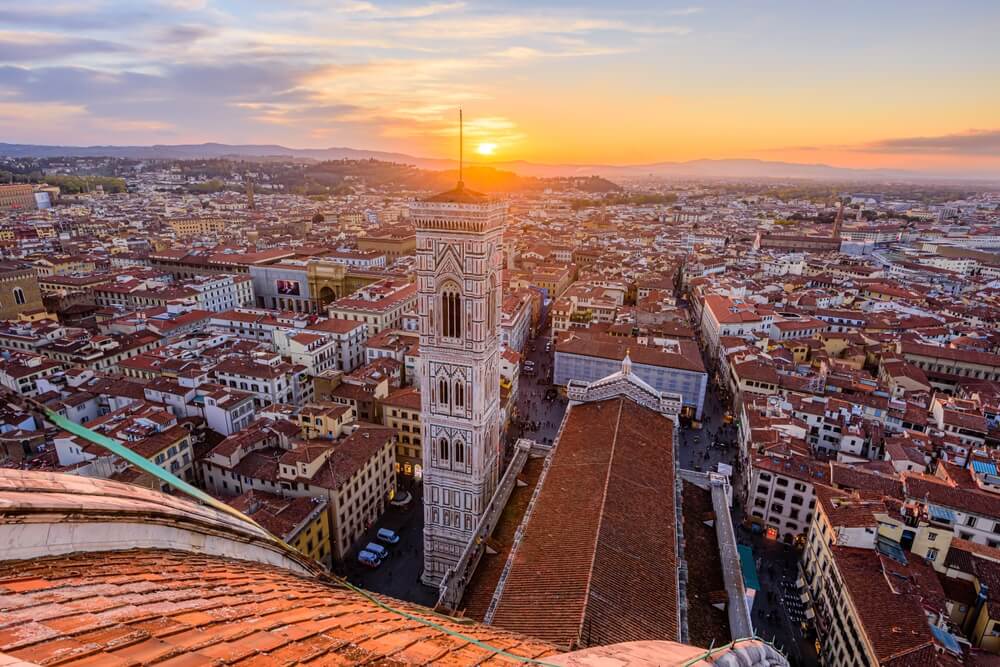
<point x="708" y="169"/>
<point x="213" y="150"/>
<point x="334" y="175"/>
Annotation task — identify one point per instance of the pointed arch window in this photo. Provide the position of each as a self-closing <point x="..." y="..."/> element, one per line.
<point x="443" y="390"/>
<point x="491" y="306"/>
<point x="444" y="450"/>
<point x="451" y="312"/>
<point x="459" y="394"/>
<point x="459" y="453"/>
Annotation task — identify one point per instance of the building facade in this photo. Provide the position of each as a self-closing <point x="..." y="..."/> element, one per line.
<point x="16" y="197"/>
<point x="459" y="269"/>
<point x="19" y="291"/>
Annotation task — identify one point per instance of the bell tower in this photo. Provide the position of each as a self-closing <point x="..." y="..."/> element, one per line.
<point x="459" y="267"/>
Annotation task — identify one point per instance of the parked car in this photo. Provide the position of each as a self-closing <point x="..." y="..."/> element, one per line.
<point x="378" y="550"/>
<point x="387" y="536"/>
<point x="402" y="498"/>
<point x="368" y="559"/>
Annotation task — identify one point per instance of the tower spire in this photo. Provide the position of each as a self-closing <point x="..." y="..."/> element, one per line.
<point x="461" y="146"/>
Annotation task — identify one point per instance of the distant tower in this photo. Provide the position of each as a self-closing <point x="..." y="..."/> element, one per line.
<point x="459" y="269"/>
<point x="839" y="219"/>
<point x="249" y="183"/>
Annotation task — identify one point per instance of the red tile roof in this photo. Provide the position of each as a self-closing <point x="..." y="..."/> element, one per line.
<point x="597" y="562"/>
<point x="894" y="622"/>
<point x="171" y="607"/>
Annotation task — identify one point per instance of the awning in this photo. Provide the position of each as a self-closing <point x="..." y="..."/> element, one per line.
<point x="748" y="567"/>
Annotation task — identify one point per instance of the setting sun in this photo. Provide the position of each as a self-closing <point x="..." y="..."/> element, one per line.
<point x="486" y="149"/>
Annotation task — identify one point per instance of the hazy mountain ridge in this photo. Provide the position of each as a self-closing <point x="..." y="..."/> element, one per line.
<point x="704" y="168"/>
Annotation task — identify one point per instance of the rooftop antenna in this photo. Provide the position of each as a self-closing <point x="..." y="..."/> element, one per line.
<point x="461" y="144"/>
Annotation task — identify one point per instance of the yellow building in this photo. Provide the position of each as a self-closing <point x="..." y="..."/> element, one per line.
<point x="392" y="242"/>
<point x="324" y="419"/>
<point x="17" y="197"/>
<point x="196" y="226"/>
<point x="19" y="291"/>
<point x="302" y="522"/>
<point x="63" y="265"/>
<point x="401" y="411"/>
<point x="849" y="595"/>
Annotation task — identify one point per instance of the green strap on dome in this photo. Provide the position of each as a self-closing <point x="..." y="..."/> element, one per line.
<point x="173" y="480"/>
<point x="145" y="465"/>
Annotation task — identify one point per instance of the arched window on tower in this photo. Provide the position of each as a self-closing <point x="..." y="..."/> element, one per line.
<point x="459" y="452"/>
<point x="443" y="390"/>
<point x="459" y="394"/>
<point x="451" y="312"/>
<point x="443" y="452"/>
<point x="491" y="306"/>
<point x="19" y="296"/>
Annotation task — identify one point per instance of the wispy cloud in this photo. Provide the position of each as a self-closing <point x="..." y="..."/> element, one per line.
<point x="372" y="10"/>
<point x="972" y="142"/>
<point x="375" y="68"/>
<point x="684" y="11"/>
<point x="24" y="46"/>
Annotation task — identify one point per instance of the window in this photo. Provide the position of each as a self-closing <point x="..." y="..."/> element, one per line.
<point x="970" y="521"/>
<point x="932" y="554"/>
<point x="443" y="390"/>
<point x="459" y="394"/>
<point x="451" y="313"/>
<point x="444" y="450"/>
<point x="782" y="481"/>
<point x="491" y="306"/>
<point x="459" y="453"/>
<point x="19" y="296"/>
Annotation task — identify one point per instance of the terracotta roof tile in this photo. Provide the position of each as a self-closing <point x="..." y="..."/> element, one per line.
<point x="597" y="561"/>
<point x="176" y="608"/>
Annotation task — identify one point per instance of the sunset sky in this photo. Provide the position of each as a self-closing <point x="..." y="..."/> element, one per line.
<point x="909" y="84"/>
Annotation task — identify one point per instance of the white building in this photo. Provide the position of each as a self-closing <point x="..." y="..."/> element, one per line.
<point x="515" y="322"/>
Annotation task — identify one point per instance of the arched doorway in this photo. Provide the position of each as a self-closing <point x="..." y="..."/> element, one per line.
<point x="326" y="295"/>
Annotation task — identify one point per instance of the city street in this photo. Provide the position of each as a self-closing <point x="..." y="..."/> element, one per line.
<point x="775" y="562"/>
<point x="695" y="443"/>
<point x="777" y="600"/>
<point x="540" y="417"/>
<point x="399" y="575"/>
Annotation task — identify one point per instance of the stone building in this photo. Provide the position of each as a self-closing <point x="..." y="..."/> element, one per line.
<point x="19" y="291"/>
<point x="459" y="266"/>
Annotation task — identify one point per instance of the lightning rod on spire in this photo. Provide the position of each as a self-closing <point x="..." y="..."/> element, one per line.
<point x="461" y="145"/>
